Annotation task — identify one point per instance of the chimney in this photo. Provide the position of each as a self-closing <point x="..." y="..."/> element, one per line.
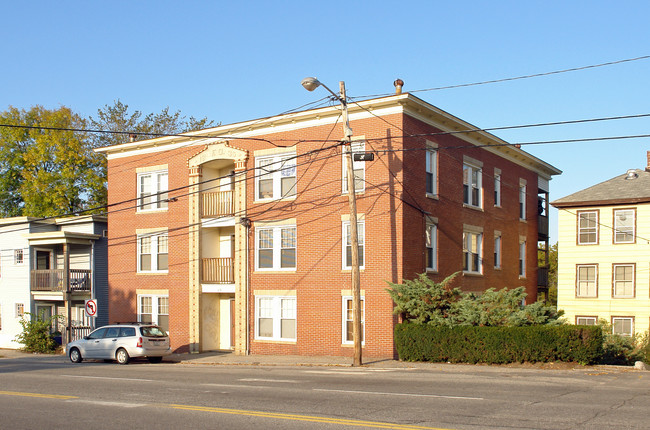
<point x="647" y="169"/>
<point x="400" y="83"/>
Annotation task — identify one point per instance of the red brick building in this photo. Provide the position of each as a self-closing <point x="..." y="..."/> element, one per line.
<point x="237" y="237"/>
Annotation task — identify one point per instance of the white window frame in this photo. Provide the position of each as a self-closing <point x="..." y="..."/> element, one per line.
<point x="431" y="246"/>
<point x="522" y="202"/>
<point x="347" y="317"/>
<point x="469" y="172"/>
<point x="585" y="283"/>
<point x="158" y="303"/>
<point x="616" y="282"/>
<point x="497" y="188"/>
<point x="623" y="319"/>
<point x="20" y="310"/>
<point x="158" y="191"/>
<point x="469" y="251"/>
<point x="19" y="257"/>
<point x="277" y="247"/>
<point x="586" y="320"/>
<point x="158" y="242"/>
<point x="358" y="167"/>
<point x="274" y="168"/>
<point x="431" y="171"/>
<point x="522" y="259"/>
<point x="588" y="229"/>
<point x="620" y="216"/>
<point x="497" y="251"/>
<point x="277" y="313"/>
<point x="346" y="242"/>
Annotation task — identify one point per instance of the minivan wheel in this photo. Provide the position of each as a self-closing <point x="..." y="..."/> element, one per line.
<point x="154" y="359"/>
<point x="122" y="356"/>
<point x="75" y="355"/>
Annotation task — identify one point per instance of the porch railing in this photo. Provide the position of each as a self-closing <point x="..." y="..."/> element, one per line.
<point x="219" y="203"/>
<point x="218" y="271"/>
<point x="79" y="332"/>
<point x="54" y="280"/>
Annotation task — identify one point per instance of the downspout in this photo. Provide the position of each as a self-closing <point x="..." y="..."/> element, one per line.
<point x="92" y="282"/>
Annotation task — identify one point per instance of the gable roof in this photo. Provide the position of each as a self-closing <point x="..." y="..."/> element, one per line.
<point x="618" y="190"/>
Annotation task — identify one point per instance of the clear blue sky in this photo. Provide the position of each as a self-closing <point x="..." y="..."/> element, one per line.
<point x="234" y="61"/>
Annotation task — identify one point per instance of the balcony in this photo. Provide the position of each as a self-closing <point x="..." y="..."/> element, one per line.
<point x="542" y="227"/>
<point x="542" y="277"/>
<point x="217" y="204"/>
<point x="217" y="271"/>
<point x="54" y="280"/>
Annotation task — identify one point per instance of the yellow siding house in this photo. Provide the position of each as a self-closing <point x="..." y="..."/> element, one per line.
<point x="604" y="253"/>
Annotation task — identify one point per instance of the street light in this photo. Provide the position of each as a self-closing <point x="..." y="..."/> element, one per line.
<point x="311" y="84"/>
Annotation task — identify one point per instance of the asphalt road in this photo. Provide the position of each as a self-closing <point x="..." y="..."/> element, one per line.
<point x="50" y="392"/>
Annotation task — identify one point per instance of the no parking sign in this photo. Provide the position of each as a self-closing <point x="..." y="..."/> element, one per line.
<point x="91" y="308"/>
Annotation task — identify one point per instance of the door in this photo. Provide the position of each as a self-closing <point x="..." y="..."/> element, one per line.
<point x="43" y="260"/>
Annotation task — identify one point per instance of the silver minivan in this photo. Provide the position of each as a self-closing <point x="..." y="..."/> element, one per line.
<point x="121" y="342"/>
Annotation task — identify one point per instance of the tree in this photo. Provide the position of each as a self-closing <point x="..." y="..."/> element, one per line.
<point x="552" y="271"/>
<point x="46" y="169"/>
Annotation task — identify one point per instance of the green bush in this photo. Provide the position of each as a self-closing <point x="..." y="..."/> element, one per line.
<point x="498" y="345"/>
<point x="36" y="335"/>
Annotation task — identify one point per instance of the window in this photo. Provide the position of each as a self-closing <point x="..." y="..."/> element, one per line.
<point x="624" y="223"/>
<point x="472" y="244"/>
<point x="497" y="187"/>
<point x="522" y="259"/>
<point x="154" y="309"/>
<point x="275" y="318"/>
<point x="623" y="326"/>
<point x="586" y="320"/>
<point x="586" y="280"/>
<point x="358" y="167"/>
<point x="275" y="176"/>
<point x="276" y="247"/>
<point x="431" y="239"/>
<point x="153" y="253"/>
<point x="20" y="310"/>
<point x="623" y="280"/>
<point x="588" y="228"/>
<point x="348" y="318"/>
<point x="19" y="256"/>
<point x="152" y="190"/>
<point x="522" y="201"/>
<point x="472" y="185"/>
<point x="497" y="251"/>
<point x="431" y="171"/>
<point x="347" y="244"/>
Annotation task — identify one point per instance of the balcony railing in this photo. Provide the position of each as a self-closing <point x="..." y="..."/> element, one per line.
<point x="542" y="227"/>
<point x="215" y="204"/>
<point x="542" y="277"/>
<point x="218" y="271"/>
<point x="54" y="280"/>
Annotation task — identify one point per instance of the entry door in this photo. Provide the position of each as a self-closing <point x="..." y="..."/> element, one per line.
<point x="43" y="260"/>
<point x="232" y="323"/>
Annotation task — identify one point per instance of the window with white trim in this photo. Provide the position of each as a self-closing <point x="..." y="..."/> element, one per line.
<point x="522" y="201"/>
<point x="347" y="244"/>
<point x="472" y="252"/>
<point x="275" y="176"/>
<point x="586" y="320"/>
<point x="623" y="280"/>
<point x="497" y="187"/>
<point x="275" y="247"/>
<point x="431" y="243"/>
<point x="19" y="256"/>
<point x="624" y="225"/>
<point x="348" y="319"/>
<point x="623" y="326"/>
<point x="154" y="309"/>
<point x="497" y="251"/>
<point x="153" y="253"/>
<point x="431" y="171"/>
<point x="587" y="280"/>
<point x="152" y="190"/>
<point x="20" y="310"/>
<point x="522" y="259"/>
<point x="472" y="187"/>
<point x="275" y="318"/>
<point x="587" y="227"/>
<point x="358" y="167"/>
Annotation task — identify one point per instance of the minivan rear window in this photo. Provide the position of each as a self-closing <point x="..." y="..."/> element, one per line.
<point x="152" y="331"/>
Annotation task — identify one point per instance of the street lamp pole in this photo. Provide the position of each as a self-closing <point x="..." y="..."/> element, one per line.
<point x="311" y="84"/>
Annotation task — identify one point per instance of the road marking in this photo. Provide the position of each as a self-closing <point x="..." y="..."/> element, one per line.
<point x="400" y="394"/>
<point x="305" y="418"/>
<point x="43" y="396"/>
<point x="352" y="371"/>
<point x="288" y="381"/>
<point x="237" y="385"/>
<point x="106" y="377"/>
<point x="105" y="403"/>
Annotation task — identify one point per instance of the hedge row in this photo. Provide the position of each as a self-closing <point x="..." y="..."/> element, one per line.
<point x="497" y="345"/>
